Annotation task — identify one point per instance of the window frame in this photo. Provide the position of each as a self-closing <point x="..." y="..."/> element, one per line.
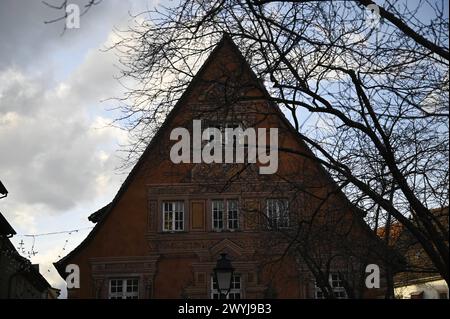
<point x="213" y="217"/>
<point x="225" y="215"/>
<point x="233" y="126"/>
<point x="172" y="216"/>
<point x="233" y="290"/>
<point x="124" y="294"/>
<point x="236" y="218"/>
<point x="338" y="288"/>
<point x="278" y="213"/>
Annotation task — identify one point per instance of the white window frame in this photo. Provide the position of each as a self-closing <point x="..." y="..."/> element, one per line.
<point x="217" y="215"/>
<point x="229" y="210"/>
<point x="173" y="215"/>
<point x="234" y="291"/>
<point x="222" y="217"/>
<point x="274" y="207"/>
<point x="337" y="286"/>
<point x="124" y="294"/>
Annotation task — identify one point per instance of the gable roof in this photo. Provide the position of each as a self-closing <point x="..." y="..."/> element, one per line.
<point x="5" y="228"/>
<point x="99" y="216"/>
<point x="26" y="269"/>
<point x="95" y="217"/>
<point x="3" y="190"/>
<point x="419" y="267"/>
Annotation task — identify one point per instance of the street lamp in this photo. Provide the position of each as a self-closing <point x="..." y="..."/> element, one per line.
<point x="223" y="273"/>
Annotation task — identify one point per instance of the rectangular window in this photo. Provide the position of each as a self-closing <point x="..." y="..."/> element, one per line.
<point x="173" y="216"/>
<point x="127" y="288"/>
<point x="225" y="214"/>
<point x="217" y="214"/>
<point x="232" y="214"/>
<point x="235" y="288"/>
<point x="227" y="139"/>
<point x="222" y="128"/>
<point x="336" y="284"/>
<point x="277" y="213"/>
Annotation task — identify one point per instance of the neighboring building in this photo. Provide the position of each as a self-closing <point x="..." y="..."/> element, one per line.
<point x="421" y="280"/>
<point x="427" y="287"/>
<point x="3" y="190"/>
<point x="161" y="235"/>
<point x="19" y="279"/>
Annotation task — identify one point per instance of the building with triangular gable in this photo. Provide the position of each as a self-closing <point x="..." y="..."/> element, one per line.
<point x="287" y="234"/>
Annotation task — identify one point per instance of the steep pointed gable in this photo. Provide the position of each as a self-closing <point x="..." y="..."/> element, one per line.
<point x="235" y="71"/>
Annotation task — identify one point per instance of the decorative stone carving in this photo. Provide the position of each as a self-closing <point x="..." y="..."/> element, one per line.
<point x="105" y="268"/>
<point x="152" y="212"/>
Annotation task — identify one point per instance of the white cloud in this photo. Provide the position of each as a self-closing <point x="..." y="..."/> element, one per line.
<point x="57" y="150"/>
<point x="57" y="134"/>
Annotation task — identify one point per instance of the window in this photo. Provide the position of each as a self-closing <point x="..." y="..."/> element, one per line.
<point x="232" y="214"/>
<point x="417" y="295"/>
<point x="173" y="216"/>
<point x="124" y="288"/>
<point x="337" y="286"/>
<point x="235" y="141"/>
<point x="222" y="128"/>
<point x="227" y="138"/>
<point x="235" y="289"/>
<point x="217" y="214"/>
<point x="277" y="213"/>
<point x="225" y="214"/>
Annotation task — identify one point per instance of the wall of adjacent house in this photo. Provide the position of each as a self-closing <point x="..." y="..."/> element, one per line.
<point x="6" y="271"/>
<point x="12" y="283"/>
<point x="435" y="289"/>
<point x="22" y="288"/>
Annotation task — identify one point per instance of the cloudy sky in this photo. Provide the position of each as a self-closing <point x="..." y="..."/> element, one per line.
<point x="58" y="156"/>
